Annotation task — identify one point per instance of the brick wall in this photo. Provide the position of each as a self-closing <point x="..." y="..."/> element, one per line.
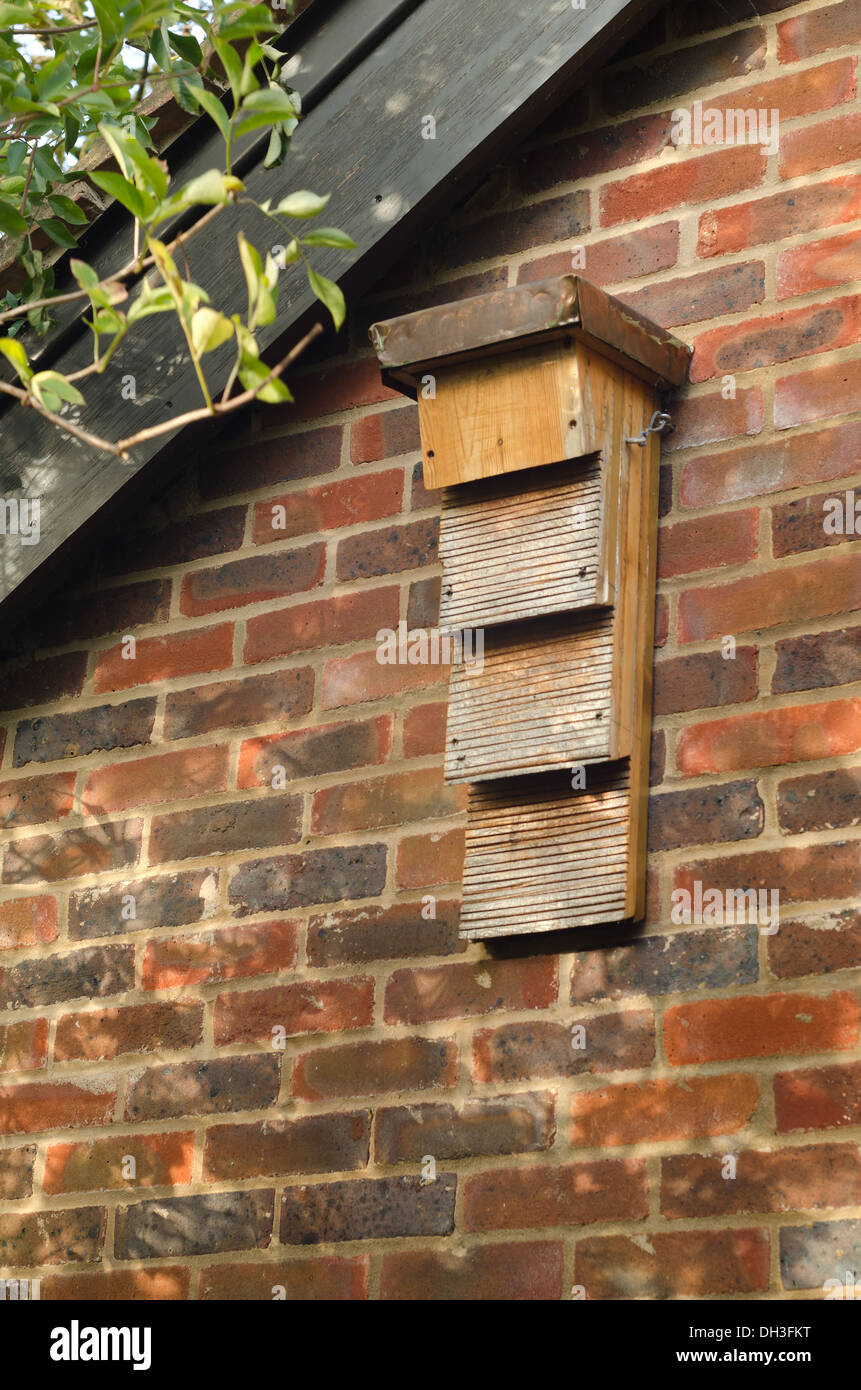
<point x="148" y="783"/>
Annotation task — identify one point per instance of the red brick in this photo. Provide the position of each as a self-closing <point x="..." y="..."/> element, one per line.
<point x="371" y="1068"/>
<point x="646" y="1111"/>
<point x="784" y="214"/>
<point x="730" y="538"/>
<point x="768" y="738"/>
<point x="37" y="1106"/>
<point x="818" y="1098"/>
<point x="819" y="872"/>
<point x="204" y="1088"/>
<point x="16" y="1172"/>
<point x="705" y="680"/>
<point x="52" y="1237"/>
<point x="820" y="146"/>
<point x="783" y="337"/>
<point x="329" y="1278"/>
<point x="329" y="622"/>
<point x="122" y="1285"/>
<point x="680" y="183"/>
<point x="424" y="730"/>
<point x="789" y="594"/>
<point x="162" y="658"/>
<point x="323" y="392"/>
<point x="24" y="1045"/>
<point x="27" y="921"/>
<point x="85" y="850"/>
<point x="168" y="777"/>
<point x="382" y="801"/>
<point x="799" y="525"/>
<point x="687" y="1264"/>
<point x="613" y="259"/>
<point x="233" y="953"/>
<point x="571" y="1194"/>
<point x="350" y="680"/>
<point x="326" y="1006"/>
<point x="161" y="1160"/>
<point x="517" y="1271"/>
<point x="225" y="829"/>
<point x="321" y="509"/>
<point x="468" y="989"/>
<point x="428" y="860"/>
<point x="721" y="1030"/>
<point x="818" y="946"/>
<point x="384" y="436"/>
<point x="108" y="1033"/>
<point x="817" y="265"/>
<point x="314" y="752"/>
<point x="795" y="461"/>
<point x="815" y="395"/>
<point x="802" y="1179"/>
<point x="35" y="800"/>
<point x="710" y="419"/>
<point x="816" y="32"/>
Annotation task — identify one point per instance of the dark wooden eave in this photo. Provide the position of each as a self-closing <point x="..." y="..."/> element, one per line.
<point x="487" y="70"/>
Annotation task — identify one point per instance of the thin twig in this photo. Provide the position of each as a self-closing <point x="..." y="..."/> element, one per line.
<point x="83" y="435"/>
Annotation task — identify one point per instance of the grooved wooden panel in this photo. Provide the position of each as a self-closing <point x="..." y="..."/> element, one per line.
<point x="541" y="857"/>
<point x="523" y="545"/>
<point x="542" y="700"/>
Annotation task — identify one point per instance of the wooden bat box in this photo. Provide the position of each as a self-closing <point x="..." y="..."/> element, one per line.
<point x="534" y="409"/>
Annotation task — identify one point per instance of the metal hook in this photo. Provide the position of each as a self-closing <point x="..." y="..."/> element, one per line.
<point x="659" y="421"/>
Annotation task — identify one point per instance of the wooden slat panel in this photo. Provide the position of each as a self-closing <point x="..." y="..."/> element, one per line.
<point x="513" y="548"/>
<point x="541" y="700"/>
<point x="540" y="857"/>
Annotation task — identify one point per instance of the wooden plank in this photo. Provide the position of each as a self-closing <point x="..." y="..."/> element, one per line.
<point x="523" y="545"/>
<point x="486" y="71"/>
<point x="540" y="857"/>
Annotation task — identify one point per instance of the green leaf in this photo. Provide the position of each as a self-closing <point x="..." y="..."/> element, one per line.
<point x="108" y="17"/>
<point x="151" y="300"/>
<point x="11" y="220"/>
<point x="328" y="236"/>
<point x="270" y="105"/>
<point x="150" y="170"/>
<point x="209" y="330"/>
<point x="252" y="267"/>
<point x="302" y="204"/>
<point x="16" y="155"/>
<point x="15" y="354"/>
<point x="125" y="192"/>
<point x="276" y="150"/>
<point x="15" y="14"/>
<point x="116" y="139"/>
<point x="252" y="20"/>
<point x="57" y="231"/>
<point x="45" y="384"/>
<point x="329" y="294"/>
<point x="84" y="274"/>
<point x="253" y="371"/>
<point x="232" y="66"/>
<point x="159" y="48"/>
<point x="187" y="47"/>
<point x="214" y="109"/>
<point x="68" y="209"/>
<point x="212" y="187"/>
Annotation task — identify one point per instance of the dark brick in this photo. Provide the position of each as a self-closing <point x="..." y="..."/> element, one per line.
<point x="799" y="525"/>
<point x="267" y="461"/>
<point x="93" y="973"/>
<point x="818" y="660"/>
<point x="591" y="152"/>
<point x="309" y="1144"/>
<point x="685" y="70"/>
<point x="719" y="14"/>
<point x="537" y="224"/>
<point x="816" y="947"/>
<point x="708" y="958"/>
<point x="786" y="1179"/>
<point x="301" y="880"/>
<point x="707" y="295"/>
<point x="423" y="605"/>
<point x="171" y="900"/>
<point x="97" y="730"/>
<point x="51" y="1237"/>
<point x="240" y="703"/>
<point x="704" y="681"/>
<point x="354" y="935"/>
<point x="204" y="1088"/>
<point x="823" y="1250"/>
<point x="86" y="850"/>
<point x="396" y="1064"/>
<point x="41" y="682"/>
<point x="657" y="757"/>
<point x="522" y="1051"/>
<point x="100" y="613"/>
<point x="820" y="801"/>
<point x="498" y="1125"/>
<point x="253" y="580"/>
<point x="313" y="752"/>
<point x="191" y="537"/>
<point x="195" y="1225"/>
<point x="705" y="815"/>
<point x="368" y="1209"/>
<point x="223" y="829"/>
<point x="388" y="550"/>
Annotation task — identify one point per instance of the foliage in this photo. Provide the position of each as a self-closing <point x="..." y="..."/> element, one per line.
<point x="76" y="72"/>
